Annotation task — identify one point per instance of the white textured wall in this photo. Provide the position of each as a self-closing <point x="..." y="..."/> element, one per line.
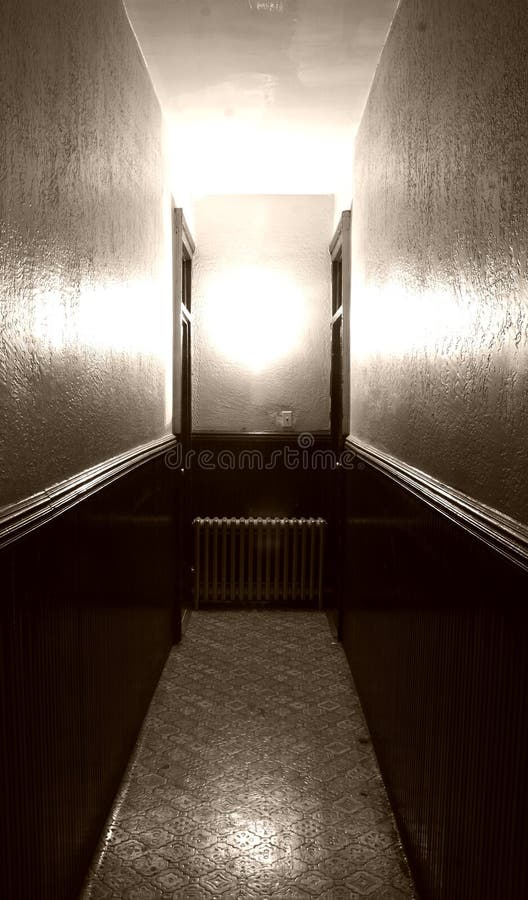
<point x="278" y="244"/>
<point x="440" y="234"/>
<point x="85" y="271"/>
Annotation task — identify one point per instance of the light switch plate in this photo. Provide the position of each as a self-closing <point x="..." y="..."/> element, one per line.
<point x="287" y="418"/>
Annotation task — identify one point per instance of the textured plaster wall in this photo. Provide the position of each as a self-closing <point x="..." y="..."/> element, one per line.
<point x="85" y="294"/>
<point x="440" y="260"/>
<point x="261" y="312"/>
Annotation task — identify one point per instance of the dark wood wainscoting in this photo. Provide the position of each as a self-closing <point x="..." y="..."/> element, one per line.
<point x="88" y="615"/>
<point x="435" y="627"/>
<point x="275" y="475"/>
<point x="261" y="475"/>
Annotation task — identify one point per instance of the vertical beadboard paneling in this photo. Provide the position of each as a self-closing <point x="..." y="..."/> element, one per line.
<point x="86" y="624"/>
<point x="435" y="630"/>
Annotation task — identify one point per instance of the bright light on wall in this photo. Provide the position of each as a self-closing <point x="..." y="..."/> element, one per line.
<point x="392" y="321"/>
<point x="120" y="318"/>
<point x="254" y="316"/>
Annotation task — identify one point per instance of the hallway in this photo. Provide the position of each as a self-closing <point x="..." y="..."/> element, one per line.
<point x="254" y="775"/>
<point x="264" y="263"/>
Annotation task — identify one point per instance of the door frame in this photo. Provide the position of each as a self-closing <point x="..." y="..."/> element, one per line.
<point x="341" y="256"/>
<point x="183" y="250"/>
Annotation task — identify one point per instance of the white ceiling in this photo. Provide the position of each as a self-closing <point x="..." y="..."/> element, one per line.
<point x="262" y="96"/>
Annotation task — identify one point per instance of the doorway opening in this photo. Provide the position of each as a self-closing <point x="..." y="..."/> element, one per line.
<point x="182" y="260"/>
<point x="183" y="252"/>
<point x="340" y="253"/>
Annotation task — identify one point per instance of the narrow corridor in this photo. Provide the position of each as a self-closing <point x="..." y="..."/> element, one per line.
<point x="254" y="775"/>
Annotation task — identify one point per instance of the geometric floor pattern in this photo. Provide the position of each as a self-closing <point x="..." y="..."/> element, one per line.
<point x="254" y="775"/>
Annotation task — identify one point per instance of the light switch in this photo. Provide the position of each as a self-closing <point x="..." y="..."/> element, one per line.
<point x="287" y="418"/>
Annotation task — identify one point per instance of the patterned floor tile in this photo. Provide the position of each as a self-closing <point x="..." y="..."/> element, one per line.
<point x="218" y="882"/>
<point x="150" y="864"/>
<point x="339" y="892"/>
<point x="314" y="882"/>
<point x="291" y="892"/>
<point x="143" y="892"/>
<point x="129" y="850"/>
<point x="364" y="883"/>
<point x="254" y="776"/>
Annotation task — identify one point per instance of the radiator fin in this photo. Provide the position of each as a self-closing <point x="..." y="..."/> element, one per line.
<point x="259" y="561"/>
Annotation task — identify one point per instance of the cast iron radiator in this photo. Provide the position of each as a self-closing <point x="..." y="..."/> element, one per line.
<point x="258" y="561"/>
